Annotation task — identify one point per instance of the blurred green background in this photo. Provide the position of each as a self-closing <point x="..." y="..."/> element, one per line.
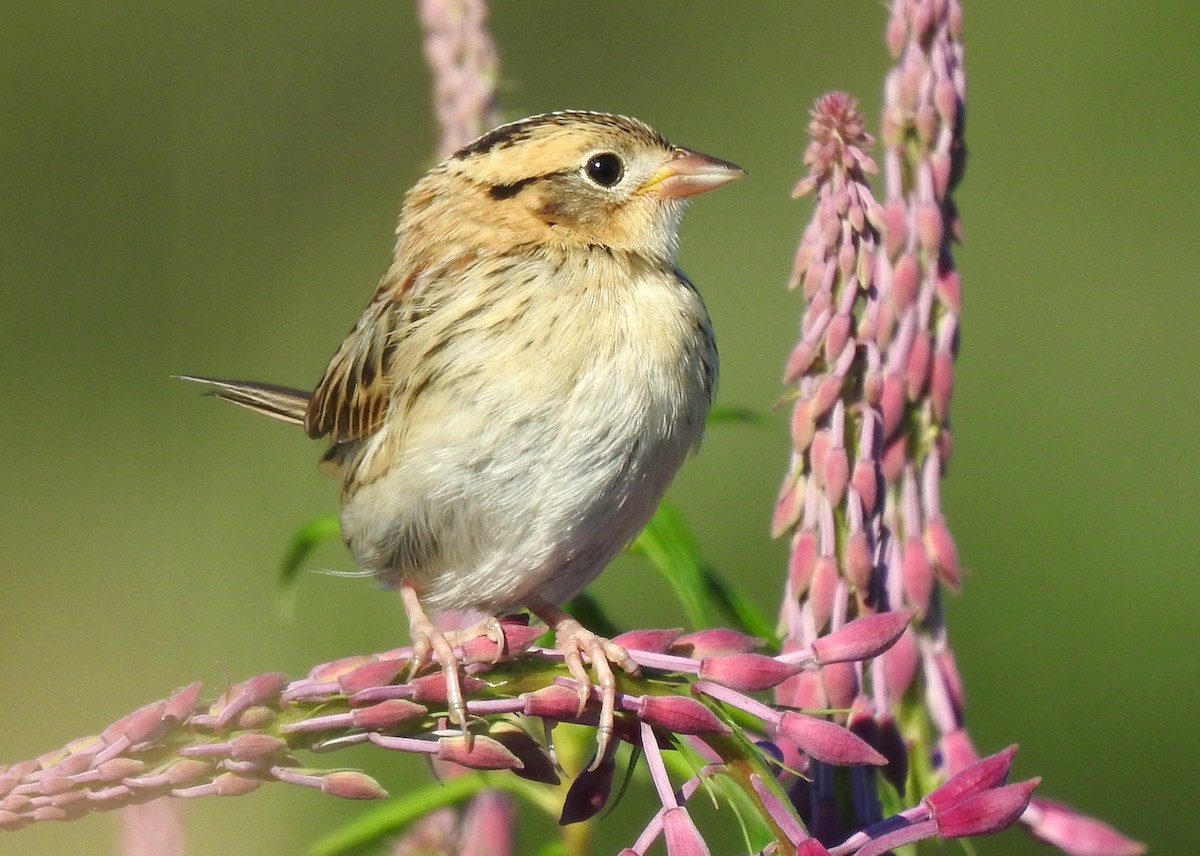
<point x="212" y="188"/>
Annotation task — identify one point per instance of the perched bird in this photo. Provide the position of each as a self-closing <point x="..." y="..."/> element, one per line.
<point x="524" y="383"/>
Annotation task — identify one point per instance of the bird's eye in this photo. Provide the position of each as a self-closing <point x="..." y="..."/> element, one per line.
<point x="605" y="169"/>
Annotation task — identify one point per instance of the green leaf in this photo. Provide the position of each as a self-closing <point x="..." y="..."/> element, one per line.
<point x="311" y="535"/>
<point x="668" y="543"/>
<point x="371" y="827"/>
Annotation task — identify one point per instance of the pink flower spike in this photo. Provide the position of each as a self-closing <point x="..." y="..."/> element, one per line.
<point x="746" y="672"/>
<point x="988" y="812"/>
<point x="984" y="774"/>
<point x="861" y="639"/>
<point x="714" y="643"/>
<point x="682" y="837"/>
<point x="1076" y="834"/>
<point x="827" y="741"/>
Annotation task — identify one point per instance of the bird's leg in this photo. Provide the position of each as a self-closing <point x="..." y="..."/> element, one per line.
<point x="576" y="643"/>
<point x="427" y="640"/>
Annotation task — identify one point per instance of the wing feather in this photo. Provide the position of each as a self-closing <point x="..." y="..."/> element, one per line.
<point x="351" y="401"/>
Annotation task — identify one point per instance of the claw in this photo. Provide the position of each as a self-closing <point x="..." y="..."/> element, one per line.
<point x="577" y="643"/>
<point x="429" y="642"/>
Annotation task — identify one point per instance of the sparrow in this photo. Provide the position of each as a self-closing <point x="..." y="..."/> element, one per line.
<point x="524" y="383"/>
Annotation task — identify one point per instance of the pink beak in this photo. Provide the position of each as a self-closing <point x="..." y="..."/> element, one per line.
<point x="687" y="173"/>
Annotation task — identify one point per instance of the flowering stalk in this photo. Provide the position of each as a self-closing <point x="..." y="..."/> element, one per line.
<point x="463" y="61"/>
<point x="252" y="732"/>
<point x="874" y="374"/>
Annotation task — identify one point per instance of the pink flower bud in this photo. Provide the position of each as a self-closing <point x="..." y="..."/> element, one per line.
<point x="929" y="227"/>
<point x="857" y="564"/>
<point x="789" y="506"/>
<point x="680" y="714"/>
<point x="891" y="403"/>
<point x="827" y="392"/>
<point x="803" y="561"/>
<point x="837" y="474"/>
<point x="865" y="480"/>
<point x="433" y="687"/>
<point x="122" y="768"/>
<point x="988" y="812"/>
<point x="803" y="426"/>
<point x="233" y="785"/>
<point x="861" y="638"/>
<point x="798" y="363"/>
<point x="841" y="684"/>
<point x="386" y="714"/>
<point x="183" y="702"/>
<point x="917" y="575"/>
<point x="1076" y="834"/>
<point x="745" y="672"/>
<point x="251" y="746"/>
<point x="714" y="643"/>
<point x="651" y="641"/>
<point x="905" y="282"/>
<point x="518" y="635"/>
<point x="371" y="674"/>
<point x="949" y="289"/>
<point x="253" y="691"/>
<point x="917" y="370"/>
<point x="823" y="590"/>
<point x="827" y="741"/>
<point x="352" y="785"/>
<point x="836" y="336"/>
<point x="484" y="754"/>
<point x="553" y="702"/>
<point x="983" y="775"/>
<point x="334" y="669"/>
<point x="900" y="665"/>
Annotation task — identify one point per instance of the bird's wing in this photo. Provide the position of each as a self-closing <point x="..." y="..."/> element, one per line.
<point x="352" y="398"/>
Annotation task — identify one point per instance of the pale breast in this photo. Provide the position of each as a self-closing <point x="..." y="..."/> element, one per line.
<point x="535" y="432"/>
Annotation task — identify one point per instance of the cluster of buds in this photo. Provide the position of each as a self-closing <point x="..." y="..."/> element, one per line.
<point x="695" y="694"/>
<point x="873" y="372"/>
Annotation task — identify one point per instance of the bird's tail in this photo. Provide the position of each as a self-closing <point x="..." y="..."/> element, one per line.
<point x="278" y="402"/>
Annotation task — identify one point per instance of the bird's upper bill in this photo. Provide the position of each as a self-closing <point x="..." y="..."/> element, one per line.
<point x="688" y="173"/>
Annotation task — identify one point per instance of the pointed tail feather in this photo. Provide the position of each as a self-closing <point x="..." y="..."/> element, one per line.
<point x="278" y="402"/>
